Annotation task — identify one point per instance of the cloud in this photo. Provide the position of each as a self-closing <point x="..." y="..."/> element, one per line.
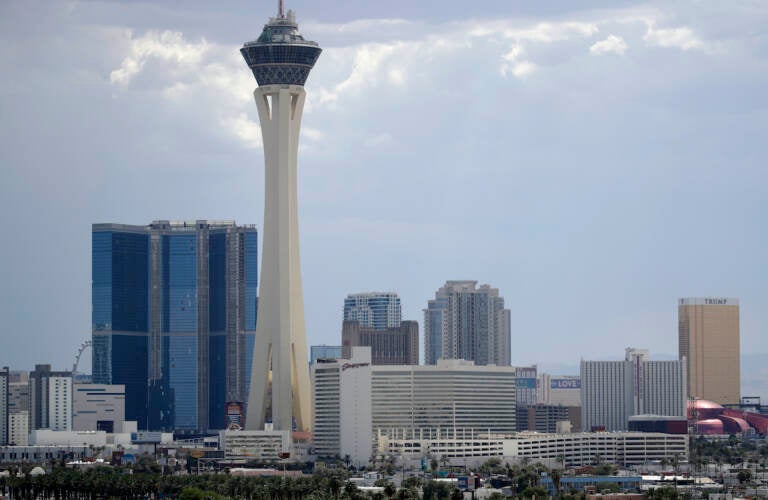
<point x="244" y="129"/>
<point x="611" y="45"/>
<point x="182" y="69"/>
<point x="511" y="63"/>
<point x="166" y="46"/>
<point x="681" y="38"/>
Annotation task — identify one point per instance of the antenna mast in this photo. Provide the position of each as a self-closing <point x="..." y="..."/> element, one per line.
<point x="280" y="9"/>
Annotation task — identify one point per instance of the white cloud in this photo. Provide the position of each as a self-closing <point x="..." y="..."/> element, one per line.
<point x="312" y="134"/>
<point x="681" y="38"/>
<point x="369" y="60"/>
<point x="183" y="70"/>
<point x="244" y="129"/>
<point x="611" y="45"/>
<point x="523" y="69"/>
<point x="166" y="46"/>
<point x="511" y="63"/>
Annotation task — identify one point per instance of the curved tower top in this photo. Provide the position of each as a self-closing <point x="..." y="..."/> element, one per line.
<point x="281" y="55"/>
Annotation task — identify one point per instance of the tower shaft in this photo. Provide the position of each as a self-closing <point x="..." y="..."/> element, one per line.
<point x="280" y="332"/>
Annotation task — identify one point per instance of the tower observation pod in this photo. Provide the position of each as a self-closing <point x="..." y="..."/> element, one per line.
<point x="281" y="61"/>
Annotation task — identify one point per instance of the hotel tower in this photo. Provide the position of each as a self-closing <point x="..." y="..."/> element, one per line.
<point x="708" y="334"/>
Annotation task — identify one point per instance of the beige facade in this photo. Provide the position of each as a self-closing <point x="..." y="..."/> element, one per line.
<point x="708" y="331"/>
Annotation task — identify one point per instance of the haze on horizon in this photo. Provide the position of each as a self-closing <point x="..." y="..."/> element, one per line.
<point x="595" y="162"/>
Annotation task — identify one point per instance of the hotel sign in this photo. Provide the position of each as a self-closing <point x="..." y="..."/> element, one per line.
<point x="565" y="383"/>
<point x="709" y="301"/>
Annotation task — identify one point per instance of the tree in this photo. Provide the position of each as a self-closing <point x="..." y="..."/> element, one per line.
<point x="351" y="490"/>
<point x="390" y="489"/>
<point x="555" y="475"/>
<point x="744" y="476"/>
<point x="334" y="486"/>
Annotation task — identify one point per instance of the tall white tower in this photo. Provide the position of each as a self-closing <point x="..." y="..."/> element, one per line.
<point x="281" y="61"/>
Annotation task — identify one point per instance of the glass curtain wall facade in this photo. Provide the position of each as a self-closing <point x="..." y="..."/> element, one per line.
<point x="379" y="310"/>
<point x="189" y="289"/>
<point x="120" y="281"/>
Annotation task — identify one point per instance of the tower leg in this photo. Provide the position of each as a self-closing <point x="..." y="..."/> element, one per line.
<point x="280" y="331"/>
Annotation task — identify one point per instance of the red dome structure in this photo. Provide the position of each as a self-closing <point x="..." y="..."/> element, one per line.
<point x="734" y="425"/>
<point x="708" y="418"/>
<point x="701" y="409"/>
<point x="709" y="427"/>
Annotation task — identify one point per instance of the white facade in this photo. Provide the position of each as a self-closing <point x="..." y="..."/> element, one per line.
<point x="613" y="391"/>
<point x="60" y="403"/>
<point x="450" y="394"/>
<point x="465" y="321"/>
<point x="356" y="407"/>
<point x="561" y="390"/>
<point x="18" y="428"/>
<point x="98" y="407"/>
<point x="342" y="407"/>
<point x="326" y="408"/>
<point x="48" y="437"/>
<point x="623" y="448"/>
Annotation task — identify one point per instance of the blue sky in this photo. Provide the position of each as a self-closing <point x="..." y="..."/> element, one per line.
<point x="594" y="162"/>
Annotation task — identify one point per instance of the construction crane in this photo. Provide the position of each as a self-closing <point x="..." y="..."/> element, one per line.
<point x="85" y="345"/>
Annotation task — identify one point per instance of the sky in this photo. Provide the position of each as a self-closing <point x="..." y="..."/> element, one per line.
<point x="594" y="161"/>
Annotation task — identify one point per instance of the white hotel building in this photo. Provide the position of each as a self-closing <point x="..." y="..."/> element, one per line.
<point x="453" y="394"/>
<point x="342" y="407"/>
<point x="613" y="391"/>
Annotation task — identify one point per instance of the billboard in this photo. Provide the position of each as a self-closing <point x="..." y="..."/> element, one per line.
<point x="525" y="383"/>
<point x="234" y="414"/>
<point x="565" y="383"/>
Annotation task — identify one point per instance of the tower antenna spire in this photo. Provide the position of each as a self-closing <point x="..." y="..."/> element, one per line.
<point x="280" y="9"/>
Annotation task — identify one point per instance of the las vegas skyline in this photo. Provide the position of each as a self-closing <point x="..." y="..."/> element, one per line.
<point x="594" y="164"/>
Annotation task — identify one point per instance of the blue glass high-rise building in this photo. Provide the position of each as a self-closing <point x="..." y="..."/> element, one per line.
<point x="379" y="310"/>
<point x="174" y="318"/>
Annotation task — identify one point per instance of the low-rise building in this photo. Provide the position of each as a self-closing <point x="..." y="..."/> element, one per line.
<point x="569" y="450"/>
<point x="254" y="445"/>
<point x="98" y="407"/>
<point x="48" y="437"/>
<point x="546" y="418"/>
<point x="39" y="454"/>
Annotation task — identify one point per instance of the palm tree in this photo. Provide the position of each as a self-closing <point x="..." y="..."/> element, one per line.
<point x="555" y="474"/>
<point x="390" y="489"/>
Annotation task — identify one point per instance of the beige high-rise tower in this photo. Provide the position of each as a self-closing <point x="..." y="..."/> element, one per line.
<point x="281" y="61"/>
<point x="708" y="334"/>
